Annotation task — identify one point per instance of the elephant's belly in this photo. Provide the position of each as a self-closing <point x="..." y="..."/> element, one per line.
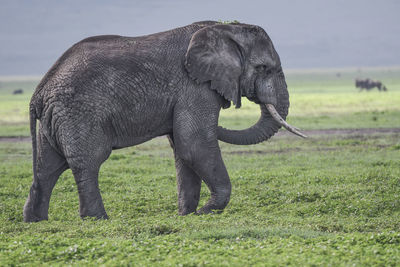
<point x="139" y="129"/>
<point x="123" y="141"/>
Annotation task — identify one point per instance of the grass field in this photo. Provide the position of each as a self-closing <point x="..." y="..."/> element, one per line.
<point x="326" y="200"/>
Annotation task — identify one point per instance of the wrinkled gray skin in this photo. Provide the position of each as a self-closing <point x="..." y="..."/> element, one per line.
<point x="110" y="92"/>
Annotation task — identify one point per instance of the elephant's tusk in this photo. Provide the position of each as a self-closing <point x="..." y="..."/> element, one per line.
<point x="282" y="122"/>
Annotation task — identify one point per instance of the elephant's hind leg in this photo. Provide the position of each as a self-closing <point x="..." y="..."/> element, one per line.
<point x="90" y="201"/>
<point x="188" y="183"/>
<point x="85" y="158"/>
<point x="50" y="165"/>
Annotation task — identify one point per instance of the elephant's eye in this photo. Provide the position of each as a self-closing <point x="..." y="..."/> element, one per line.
<point x="261" y="68"/>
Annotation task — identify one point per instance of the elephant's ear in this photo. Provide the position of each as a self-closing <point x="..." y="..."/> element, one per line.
<point x="214" y="56"/>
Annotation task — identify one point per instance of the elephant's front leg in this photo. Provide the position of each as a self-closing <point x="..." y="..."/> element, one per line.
<point x="206" y="162"/>
<point x="188" y="183"/>
<point x="196" y="144"/>
<point x="217" y="180"/>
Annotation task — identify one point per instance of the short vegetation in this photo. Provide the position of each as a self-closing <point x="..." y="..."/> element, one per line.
<point x="332" y="199"/>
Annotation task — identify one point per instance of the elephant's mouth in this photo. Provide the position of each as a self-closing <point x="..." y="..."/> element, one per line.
<point x="275" y="115"/>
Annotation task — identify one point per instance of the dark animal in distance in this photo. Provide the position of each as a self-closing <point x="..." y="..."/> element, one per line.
<point x="110" y="92"/>
<point x="369" y="84"/>
<point x="18" y="91"/>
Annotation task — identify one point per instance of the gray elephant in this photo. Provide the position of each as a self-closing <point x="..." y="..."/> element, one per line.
<point x="110" y="92"/>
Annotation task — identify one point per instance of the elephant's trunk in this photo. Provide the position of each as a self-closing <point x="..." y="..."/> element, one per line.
<point x="265" y="127"/>
<point x="272" y="118"/>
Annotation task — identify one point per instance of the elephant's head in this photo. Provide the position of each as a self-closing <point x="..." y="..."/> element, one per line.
<point x="240" y="60"/>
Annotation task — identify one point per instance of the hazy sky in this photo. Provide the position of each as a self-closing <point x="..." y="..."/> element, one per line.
<point x="306" y="33"/>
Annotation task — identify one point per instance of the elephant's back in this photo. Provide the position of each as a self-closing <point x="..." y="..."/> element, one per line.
<point x="96" y="73"/>
<point x="103" y="59"/>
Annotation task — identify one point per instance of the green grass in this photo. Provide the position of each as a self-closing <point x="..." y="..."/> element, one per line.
<point x="326" y="200"/>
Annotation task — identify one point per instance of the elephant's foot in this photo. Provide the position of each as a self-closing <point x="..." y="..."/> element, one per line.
<point x="37" y="205"/>
<point x="186" y="210"/>
<point x="102" y="216"/>
<point x="209" y="210"/>
<point x="30" y="217"/>
<point x="217" y="202"/>
<point x="91" y="206"/>
<point x="34" y="215"/>
<point x="189" y="204"/>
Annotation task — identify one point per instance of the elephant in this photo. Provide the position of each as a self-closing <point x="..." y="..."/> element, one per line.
<point x="369" y="84"/>
<point x="110" y="92"/>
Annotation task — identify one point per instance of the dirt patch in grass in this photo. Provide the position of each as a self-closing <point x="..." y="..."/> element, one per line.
<point x="349" y="132"/>
<point x="279" y="151"/>
<point x="362" y="131"/>
<point x="14" y="139"/>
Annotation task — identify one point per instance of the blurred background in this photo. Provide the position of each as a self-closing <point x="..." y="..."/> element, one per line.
<point x="306" y="34"/>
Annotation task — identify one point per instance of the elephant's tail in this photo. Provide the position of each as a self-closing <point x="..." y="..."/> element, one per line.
<point x="32" y="119"/>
